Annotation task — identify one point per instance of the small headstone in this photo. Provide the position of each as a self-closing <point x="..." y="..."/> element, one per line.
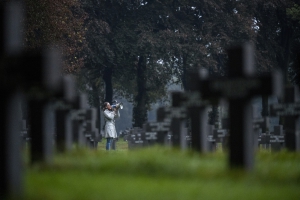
<point x="136" y="138"/>
<point x="290" y="111"/>
<point x="277" y="138"/>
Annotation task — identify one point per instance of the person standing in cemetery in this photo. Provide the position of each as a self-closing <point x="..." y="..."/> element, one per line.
<point x="110" y="114"/>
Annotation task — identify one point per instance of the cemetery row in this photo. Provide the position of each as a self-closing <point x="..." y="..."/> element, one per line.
<point x="159" y="133"/>
<point x="55" y="112"/>
<point x="35" y="78"/>
<point x="242" y="134"/>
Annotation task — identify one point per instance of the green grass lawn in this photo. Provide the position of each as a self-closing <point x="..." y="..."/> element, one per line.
<point x="161" y="173"/>
<point x="121" y="145"/>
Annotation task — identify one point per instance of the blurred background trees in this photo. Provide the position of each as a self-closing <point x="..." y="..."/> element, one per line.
<point x="59" y="23"/>
<point x="134" y="49"/>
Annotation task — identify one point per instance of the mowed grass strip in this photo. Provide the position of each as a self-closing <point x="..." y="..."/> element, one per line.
<point x="162" y="173"/>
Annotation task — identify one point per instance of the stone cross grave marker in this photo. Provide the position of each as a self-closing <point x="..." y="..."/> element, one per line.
<point x="41" y="88"/>
<point x="136" y="138"/>
<point x="24" y="131"/>
<point x="219" y="136"/>
<point x="91" y="131"/>
<point x="197" y="111"/>
<point x="178" y="126"/>
<point x="63" y="107"/>
<point x="211" y="139"/>
<point x="20" y="71"/>
<point x="169" y="120"/>
<point x="10" y="146"/>
<point x="277" y="138"/>
<point x="83" y="123"/>
<point x="238" y="89"/>
<point x="10" y="112"/>
<point x="156" y="132"/>
<point x="259" y="137"/>
<point x="37" y="75"/>
<point x="78" y="117"/>
<point x="290" y="110"/>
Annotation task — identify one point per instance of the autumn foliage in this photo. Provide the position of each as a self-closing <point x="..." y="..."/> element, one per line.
<point x="59" y="23"/>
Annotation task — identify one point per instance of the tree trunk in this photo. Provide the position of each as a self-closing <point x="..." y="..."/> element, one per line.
<point x="96" y="103"/>
<point x="107" y="77"/>
<point x="139" y="109"/>
<point x="286" y="38"/>
<point x="184" y="73"/>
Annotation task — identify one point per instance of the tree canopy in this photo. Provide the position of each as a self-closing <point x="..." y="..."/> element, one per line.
<point x="60" y="23"/>
<point x="135" y="48"/>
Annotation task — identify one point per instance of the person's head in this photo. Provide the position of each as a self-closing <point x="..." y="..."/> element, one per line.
<point x="106" y="105"/>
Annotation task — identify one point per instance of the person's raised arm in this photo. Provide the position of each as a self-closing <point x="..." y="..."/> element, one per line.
<point x="117" y="115"/>
<point x="109" y="115"/>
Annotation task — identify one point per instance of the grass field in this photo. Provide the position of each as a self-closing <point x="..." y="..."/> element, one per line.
<point x="161" y="173"/>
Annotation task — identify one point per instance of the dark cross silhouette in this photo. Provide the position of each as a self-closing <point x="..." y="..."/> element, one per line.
<point x="197" y="112"/>
<point x="169" y="120"/>
<point x="36" y="74"/>
<point x="290" y="110"/>
<point x="238" y="88"/>
<point x="10" y="111"/>
<point x="63" y="108"/>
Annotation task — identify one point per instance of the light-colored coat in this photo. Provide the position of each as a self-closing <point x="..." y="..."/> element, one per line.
<point x="109" y="120"/>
